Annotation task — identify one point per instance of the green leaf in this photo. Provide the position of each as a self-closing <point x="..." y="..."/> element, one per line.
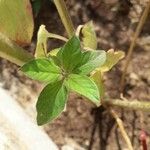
<point x="84" y="86"/>
<point x="52" y="54"/>
<point x="70" y="54"/>
<point x="42" y="69"/>
<point x="89" y="36"/>
<point x="112" y="58"/>
<point x="16" y="20"/>
<point x="41" y="47"/>
<point x="98" y="79"/>
<point x="51" y="102"/>
<point x="91" y="60"/>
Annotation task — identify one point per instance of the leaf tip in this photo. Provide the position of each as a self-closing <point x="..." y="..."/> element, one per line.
<point x="41" y="120"/>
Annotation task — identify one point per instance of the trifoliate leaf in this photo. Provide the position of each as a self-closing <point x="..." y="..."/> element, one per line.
<point x="51" y="102"/>
<point x="42" y="70"/>
<point x="112" y="58"/>
<point x="89" y="36"/>
<point x="16" y="20"/>
<point x="83" y="85"/>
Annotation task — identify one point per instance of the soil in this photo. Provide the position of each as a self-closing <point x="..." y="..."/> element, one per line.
<point x="82" y="125"/>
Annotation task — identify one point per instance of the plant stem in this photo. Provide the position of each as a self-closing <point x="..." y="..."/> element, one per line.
<point x="13" y="52"/>
<point x="64" y="15"/>
<point x="133" y="43"/>
<point x="134" y="104"/>
<point x="122" y="129"/>
<point x="56" y="36"/>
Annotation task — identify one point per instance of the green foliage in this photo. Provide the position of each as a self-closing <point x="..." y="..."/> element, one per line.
<point x="68" y="68"/>
<point x="51" y="102"/>
<point x="84" y="86"/>
<point x="16" y="20"/>
<point x="91" y="60"/>
<point x="70" y="54"/>
<point x="70" y="71"/>
<point x="42" y="69"/>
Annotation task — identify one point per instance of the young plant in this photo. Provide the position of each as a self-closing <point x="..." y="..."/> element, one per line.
<point x="68" y="71"/>
<point x="69" y="68"/>
<point x="77" y="66"/>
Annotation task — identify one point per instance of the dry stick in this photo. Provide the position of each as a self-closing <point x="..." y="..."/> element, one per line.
<point x="64" y="15"/>
<point x="133" y="105"/>
<point x="133" y="43"/>
<point x="122" y="129"/>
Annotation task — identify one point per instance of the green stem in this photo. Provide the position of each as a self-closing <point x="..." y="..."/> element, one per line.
<point x="134" y="105"/>
<point x="64" y="15"/>
<point x="13" y="52"/>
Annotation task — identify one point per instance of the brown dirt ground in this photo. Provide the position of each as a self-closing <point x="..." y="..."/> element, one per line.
<point x="83" y="125"/>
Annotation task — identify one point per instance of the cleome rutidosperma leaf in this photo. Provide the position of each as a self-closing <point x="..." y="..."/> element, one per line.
<point x="68" y="71"/>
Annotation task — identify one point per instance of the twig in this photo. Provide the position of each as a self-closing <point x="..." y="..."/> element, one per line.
<point x="122" y="129"/>
<point x="133" y="43"/>
<point x="64" y="15"/>
<point x="134" y="104"/>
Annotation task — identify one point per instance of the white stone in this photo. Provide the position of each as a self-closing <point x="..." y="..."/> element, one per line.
<point x="17" y="131"/>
